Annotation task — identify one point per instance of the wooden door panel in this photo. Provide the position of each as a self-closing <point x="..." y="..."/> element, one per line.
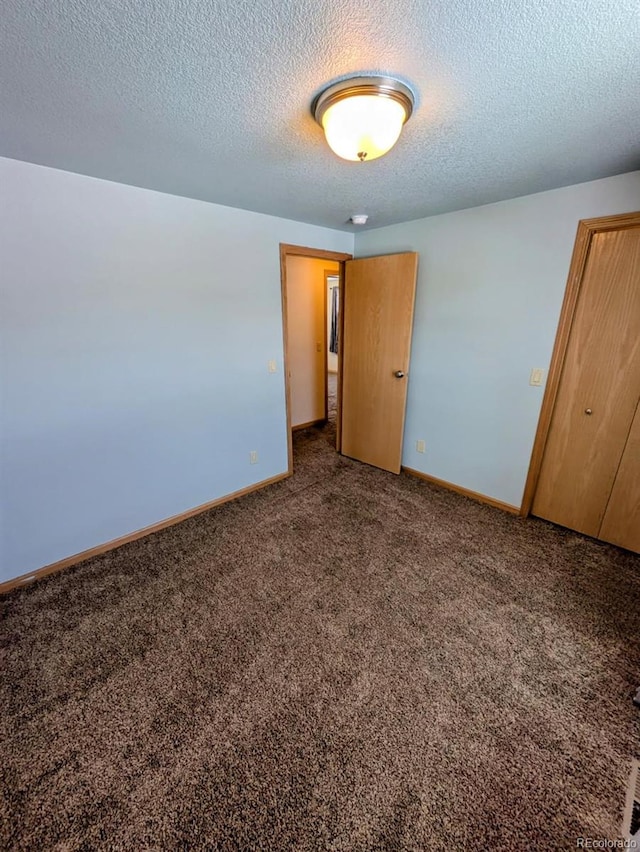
<point x="601" y="375"/>
<point x="621" y="524"/>
<point x="379" y="296"/>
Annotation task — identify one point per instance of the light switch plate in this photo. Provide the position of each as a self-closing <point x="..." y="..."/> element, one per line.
<point x="272" y="366"/>
<point x="536" y="377"/>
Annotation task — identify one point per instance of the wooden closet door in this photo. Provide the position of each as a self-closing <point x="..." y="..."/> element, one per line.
<point x="598" y="389"/>
<point x="621" y="523"/>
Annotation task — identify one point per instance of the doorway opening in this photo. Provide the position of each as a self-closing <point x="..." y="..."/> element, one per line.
<point x="375" y="301"/>
<point x="312" y="281"/>
<point x="332" y="290"/>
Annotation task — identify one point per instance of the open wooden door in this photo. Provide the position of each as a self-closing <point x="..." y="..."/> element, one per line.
<point x="378" y="301"/>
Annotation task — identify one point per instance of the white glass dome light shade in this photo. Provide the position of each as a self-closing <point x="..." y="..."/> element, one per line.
<point x="363" y="127"/>
<point x="362" y="117"/>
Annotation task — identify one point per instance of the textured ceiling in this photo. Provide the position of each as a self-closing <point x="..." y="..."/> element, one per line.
<point x="211" y="99"/>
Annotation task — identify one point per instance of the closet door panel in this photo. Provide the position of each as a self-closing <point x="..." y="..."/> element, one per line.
<point x="598" y="389"/>
<point x="621" y="523"/>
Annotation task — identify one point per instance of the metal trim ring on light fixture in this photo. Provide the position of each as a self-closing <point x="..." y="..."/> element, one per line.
<point x="384" y="87"/>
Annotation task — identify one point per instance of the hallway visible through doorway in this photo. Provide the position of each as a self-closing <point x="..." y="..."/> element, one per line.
<point x="332" y="397"/>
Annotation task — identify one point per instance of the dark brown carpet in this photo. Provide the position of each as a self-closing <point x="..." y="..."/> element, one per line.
<point x="347" y="660"/>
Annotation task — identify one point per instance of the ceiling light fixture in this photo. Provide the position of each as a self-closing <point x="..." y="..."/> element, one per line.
<point x="362" y="117"/>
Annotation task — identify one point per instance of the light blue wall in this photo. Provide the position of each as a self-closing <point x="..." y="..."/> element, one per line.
<point x="490" y="287"/>
<point x="135" y="331"/>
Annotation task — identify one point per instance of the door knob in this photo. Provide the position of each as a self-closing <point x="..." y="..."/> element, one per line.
<point x="588" y="411"/>
<point x="399" y="374"/>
